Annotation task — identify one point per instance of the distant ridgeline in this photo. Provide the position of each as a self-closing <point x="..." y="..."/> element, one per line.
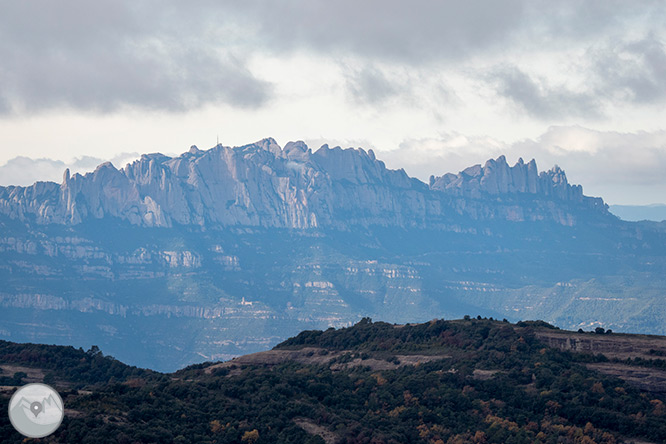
<point x="263" y="185"/>
<point x="227" y="251"/>
<point x="464" y="381"/>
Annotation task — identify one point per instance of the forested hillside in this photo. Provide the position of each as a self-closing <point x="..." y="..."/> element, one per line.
<point x="472" y="380"/>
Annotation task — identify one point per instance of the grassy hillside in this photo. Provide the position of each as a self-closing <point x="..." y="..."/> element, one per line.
<point x="473" y="380"/>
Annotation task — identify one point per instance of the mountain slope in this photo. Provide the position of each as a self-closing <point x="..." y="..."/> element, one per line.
<point x="224" y="252"/>
<point x="473" y="380"/>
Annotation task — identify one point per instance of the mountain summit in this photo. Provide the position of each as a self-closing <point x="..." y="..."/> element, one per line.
<point x="262" y="184"/>
<point x="496" y="177"/>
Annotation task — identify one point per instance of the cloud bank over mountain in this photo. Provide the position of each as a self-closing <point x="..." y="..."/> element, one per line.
<point x="25" y="171"/>
<point x="404" y="78"/>
<point x="170" y="56"/>
<point x="590" y="158"/>
<point x="620" y="167"/>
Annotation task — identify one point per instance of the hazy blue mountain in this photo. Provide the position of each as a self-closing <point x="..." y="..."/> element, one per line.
<point x="216" y="253"/>
<point x="262" y="185"/>
<point x="654" y="212"/>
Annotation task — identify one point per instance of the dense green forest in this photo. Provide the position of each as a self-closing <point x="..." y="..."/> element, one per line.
<point x="486" y="381"/>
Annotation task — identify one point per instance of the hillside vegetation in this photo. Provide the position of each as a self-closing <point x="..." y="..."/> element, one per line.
<point x="472" y="380"/>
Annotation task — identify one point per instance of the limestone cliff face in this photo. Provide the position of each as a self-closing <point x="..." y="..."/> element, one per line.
<point x="262" y="184"/>
<point x="496" y="177"/>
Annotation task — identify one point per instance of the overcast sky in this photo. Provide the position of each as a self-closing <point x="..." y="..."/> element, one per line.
<point x="431" y="86"/>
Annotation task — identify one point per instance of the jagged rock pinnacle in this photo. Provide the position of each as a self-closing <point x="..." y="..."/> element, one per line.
<point x="262" y="184"/>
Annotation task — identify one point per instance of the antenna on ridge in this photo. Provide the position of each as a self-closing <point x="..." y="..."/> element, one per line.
<point x="218" y="140"/>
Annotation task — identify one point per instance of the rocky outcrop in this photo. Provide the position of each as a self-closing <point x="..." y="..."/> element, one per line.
<point x="496" y="177"/>
<point x="262" y="184"/>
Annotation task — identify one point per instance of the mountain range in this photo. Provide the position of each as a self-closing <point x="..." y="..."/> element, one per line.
<point x="264" y="185"/>
<point x="226" y="251"/>
<point x="655" y="212"/>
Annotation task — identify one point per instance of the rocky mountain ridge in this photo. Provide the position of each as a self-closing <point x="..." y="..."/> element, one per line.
<point x="228" y="251"/>
<point x="264" y="185"/>
<point x="496" y="177"/>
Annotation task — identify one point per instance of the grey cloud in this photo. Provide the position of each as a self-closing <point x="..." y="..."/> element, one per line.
<point x="369" y="85"/>
<point x="376" y="86"/>
<point x="25" y="171"/>
<point x="423" y="30"/>
<point x="632" y="71"/>
<point x="623" y="168"/>
<point x="105" y="55"/>
<point x="418" y="33"/>
<point x="540" y="99"/>
<point x="619" y="72"/>
<point x="4" y="106"/>
<point x="597" y="157"/>
<point x="389" y="29"/>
